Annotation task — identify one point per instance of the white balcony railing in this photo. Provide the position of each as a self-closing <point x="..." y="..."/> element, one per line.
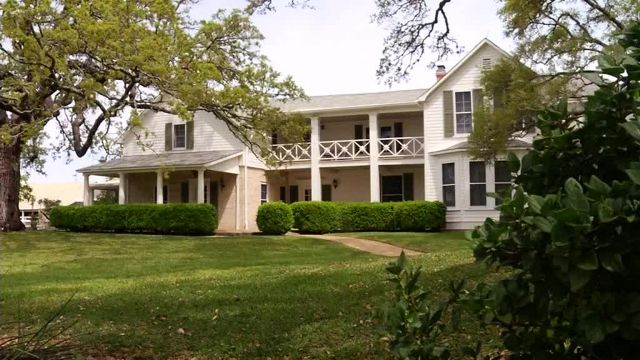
<point x="291" y="152"/>
<point x="350" y="149"/>
<point x="344" y="149"/>
<point x="401" y="146"/>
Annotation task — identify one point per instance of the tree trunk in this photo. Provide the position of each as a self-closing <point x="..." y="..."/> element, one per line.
<point x="10" y="187"/>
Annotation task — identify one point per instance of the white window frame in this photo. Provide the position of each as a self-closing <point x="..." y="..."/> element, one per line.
<point x="485" y="183"/>
<point x="266" y="193"/>
<point x="443" y="185"/>
<point x="175" y="138"/>
<point x="495" y="181"/>
<point x="456" y="112"/>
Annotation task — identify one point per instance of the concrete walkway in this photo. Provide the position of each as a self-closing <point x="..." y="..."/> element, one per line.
<point x="370" y="246"/>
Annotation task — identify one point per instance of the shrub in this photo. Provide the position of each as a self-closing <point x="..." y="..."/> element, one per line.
<point x="367" y="216"/>
<point x="187" y="219"/>
<point x="570" y="230"/>
<point x="323" y="217"/>
<point x="420" y="215"/>
<point x="316" y="217"/>
<point x="274" y="218"/>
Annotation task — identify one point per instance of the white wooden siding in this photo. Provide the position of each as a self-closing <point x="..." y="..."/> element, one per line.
<point x="210" y="134"/>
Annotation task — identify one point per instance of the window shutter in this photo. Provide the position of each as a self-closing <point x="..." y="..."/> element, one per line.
<point x="190" y="135"/>
<point x="358" y="131"/>
<point x="447" y="105"/>
<point x="293" y="193"/>
<point x="168" y="137"/>
<point x="477" y="97"/>
<point x="407" y="180"/>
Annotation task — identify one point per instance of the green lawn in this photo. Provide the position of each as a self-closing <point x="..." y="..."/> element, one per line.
<point x="447" y="241"/>
<point x="242" y="297"/>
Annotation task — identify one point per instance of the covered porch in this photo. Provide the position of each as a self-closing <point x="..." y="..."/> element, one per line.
<point x="187" y="177"/>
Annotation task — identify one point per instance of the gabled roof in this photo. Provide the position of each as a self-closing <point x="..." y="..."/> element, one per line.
<point x="352" y="101"/>
<point x="154" y="161"/>
<point x="457" y="66"/>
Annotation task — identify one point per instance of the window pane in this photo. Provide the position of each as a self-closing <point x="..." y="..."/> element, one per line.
<point x="502" y="172"/>
<point x="501" y="189"/>
<point x="179" y="135"/>
<point x="449" y="195"/>
<point x="463" y="101"/>
<point x="463" y="123"/>
<point x="448" y="173"/>
<point x="263" y="193"/>
<point x="477" y="172"/>
<point x="478" y="195"/>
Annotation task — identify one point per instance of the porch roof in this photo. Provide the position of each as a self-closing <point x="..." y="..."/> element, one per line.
<point x="352" y="101"/>
<point x="465" y="145"/>
<point x="153" y="161"/>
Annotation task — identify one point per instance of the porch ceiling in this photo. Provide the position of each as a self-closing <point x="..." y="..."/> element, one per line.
<point x="182" y="160"/>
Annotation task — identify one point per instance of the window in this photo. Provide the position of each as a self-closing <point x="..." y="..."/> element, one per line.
<point x="283" y="194"/>
<point x="477" y="183"/>
<point x="502" y="178"/>
<point x="307" y="194"/>
<point x="464" y="120"/>
<point x="391" y="188"/>
<point x="293" y="193"/>
<point x="179" y="136"/>
<point x="264" y="193"/>
<point x="449" y="184"/>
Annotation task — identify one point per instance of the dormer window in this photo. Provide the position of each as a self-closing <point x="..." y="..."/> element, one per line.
<point x="179" y="136"/>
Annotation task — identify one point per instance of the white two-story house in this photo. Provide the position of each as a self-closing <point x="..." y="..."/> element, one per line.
<point x="387" y="146"/>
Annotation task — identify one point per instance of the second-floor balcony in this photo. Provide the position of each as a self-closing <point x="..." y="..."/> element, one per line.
<point x="356" y="149"/>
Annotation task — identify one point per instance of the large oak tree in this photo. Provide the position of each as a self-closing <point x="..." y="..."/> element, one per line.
<point x="84" y="64"/>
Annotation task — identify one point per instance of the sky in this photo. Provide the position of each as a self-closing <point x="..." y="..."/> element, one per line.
<point x="333" y="48"/>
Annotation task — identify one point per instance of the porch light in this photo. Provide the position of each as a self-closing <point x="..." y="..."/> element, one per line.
<point x="335" y="183"/>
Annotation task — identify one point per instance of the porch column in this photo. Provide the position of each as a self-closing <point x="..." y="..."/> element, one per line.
<point x="374" y="170"/>
<point x="122" y="195"/>
<point x="159" y="187"/>
<point x="88" y="192"/>
<point x="316" y="180"/>
<point x="201" y="186"/>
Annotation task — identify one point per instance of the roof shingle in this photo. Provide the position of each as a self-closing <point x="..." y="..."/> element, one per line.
<point x="173" y="159"/>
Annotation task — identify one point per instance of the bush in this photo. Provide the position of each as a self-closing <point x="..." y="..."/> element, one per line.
<point x="420" y="215"/>
<point x="316" y="217"/>
<point x="187" y="219"/>
<point x="570" y="230"/>
<point x="323" y="217"/>
<point x="367" y="216"/>
<point x="274" y="218"/>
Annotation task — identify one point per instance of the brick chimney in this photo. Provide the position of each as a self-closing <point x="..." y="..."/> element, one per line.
<point x="441" y="71"/>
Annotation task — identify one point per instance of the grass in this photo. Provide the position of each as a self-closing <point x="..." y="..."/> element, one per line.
<point x="448" y="241"/>
<point x="227" y="297"/>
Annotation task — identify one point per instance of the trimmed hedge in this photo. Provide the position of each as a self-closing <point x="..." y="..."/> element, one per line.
<point x="316" y="217"/>
<point x="184" y="219"/>
<point x="367" y="216"/>
<point x="322" y="217"/>
<point x="274" y="218"/>
<point x="420" y="215"/>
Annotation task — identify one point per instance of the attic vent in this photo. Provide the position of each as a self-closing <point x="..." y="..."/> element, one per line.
<point x="486" y="64"/>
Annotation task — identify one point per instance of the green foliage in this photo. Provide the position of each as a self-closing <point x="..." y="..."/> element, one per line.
<point x="367" y="217"/>
<point x="420" y="215"/>
<point x="316" y="217"/>
<point x="323" y="217"/>
<point x="26" y="191"/>
<point x="274" y="218"/>
<point x="188" y="219"/>
<point x="570" y="229"/>
<point x="412" y="325"/>
<point x="106" y="197"/>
